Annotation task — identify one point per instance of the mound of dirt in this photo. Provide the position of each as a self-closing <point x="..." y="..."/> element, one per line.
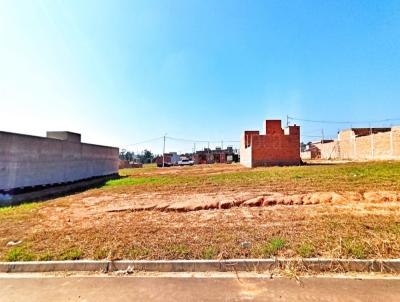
<point x="196" y="203"/>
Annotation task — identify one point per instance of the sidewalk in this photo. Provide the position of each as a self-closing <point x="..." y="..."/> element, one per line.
<point x="194" y="287"/>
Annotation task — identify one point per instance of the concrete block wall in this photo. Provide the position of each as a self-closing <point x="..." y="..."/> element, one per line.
<point x="28" y="161"/>
<point x="346" y="144"/>
<point x="328" y="150"/>
<point x="275" y="147"/>
<point x="376" y="146"/>
<point x="311" y="153"/>
<point x="396" y="142"/>
<point x="383" y="145"/>
<point x="306" y="155"/>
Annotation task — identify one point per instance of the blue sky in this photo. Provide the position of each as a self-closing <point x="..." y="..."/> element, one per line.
<point x="122" y="72"/>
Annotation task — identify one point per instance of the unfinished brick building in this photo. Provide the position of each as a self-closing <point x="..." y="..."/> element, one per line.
<point x="274" y="147"/>
<point x="208" y="156"/>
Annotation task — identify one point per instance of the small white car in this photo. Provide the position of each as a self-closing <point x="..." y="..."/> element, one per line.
<point x="185" y="162"/>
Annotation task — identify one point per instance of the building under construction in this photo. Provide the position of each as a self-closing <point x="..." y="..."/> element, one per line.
<point x="169" y="159"/>
<point x="218" y="155"/>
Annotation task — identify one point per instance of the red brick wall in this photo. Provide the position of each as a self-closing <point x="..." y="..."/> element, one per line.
<point x="275" y="147"/>
<point x="167" y="159"/>
<point x="248" y="135"/>
<point x="273" y="127"/>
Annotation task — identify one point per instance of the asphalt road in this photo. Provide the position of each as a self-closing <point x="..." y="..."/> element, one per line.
<point x="200" y="288"/>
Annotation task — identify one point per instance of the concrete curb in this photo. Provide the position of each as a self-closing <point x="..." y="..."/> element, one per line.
<point x="247" y="265"/>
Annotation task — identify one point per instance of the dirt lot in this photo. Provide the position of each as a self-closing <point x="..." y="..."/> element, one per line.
<point x="347" y="210"/>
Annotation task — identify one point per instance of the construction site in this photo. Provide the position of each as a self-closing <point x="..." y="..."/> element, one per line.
<point x="269" y="204"/>
<point x="175" y="150"/>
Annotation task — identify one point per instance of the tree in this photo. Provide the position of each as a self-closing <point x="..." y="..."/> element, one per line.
<point x="146" y="157"/>
<point x="126" y="155"/>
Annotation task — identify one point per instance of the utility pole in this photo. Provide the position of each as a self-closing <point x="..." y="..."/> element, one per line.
<point x="208" y="156"/>
<point x="372" y="141"/>
<point x="163" y="153"/>
<point x="222" y="145"/>
<point x="287" y="120"/>
<point x="323" y="136"/>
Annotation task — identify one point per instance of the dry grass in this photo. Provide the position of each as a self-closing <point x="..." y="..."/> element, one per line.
<point x="78" y="226"/>
<point x="358" y="177"/>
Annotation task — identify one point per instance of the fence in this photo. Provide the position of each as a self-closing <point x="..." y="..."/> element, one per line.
<point x="375" y="146"/>
<point x="28" y="161"/>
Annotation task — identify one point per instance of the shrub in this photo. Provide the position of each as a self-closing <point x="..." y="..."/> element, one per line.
<point x="209" y="252"/>
<point x="306" y="250"/>
<point x="354" y="249"/>
<point x="179" y="251"/>
<point x="71" y="254"/>
<point x="272" y="247"/>
<point x="19" y="253"/>
<point x="138" y="252"/>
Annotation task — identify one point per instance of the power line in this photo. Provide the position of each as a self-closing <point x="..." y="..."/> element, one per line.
<point x="343" y="122"/>
<point x="143" y="142"/>
<point x="178" y="139"/>
<point x="319" y="136"/>
<point x="186" y="140"/>
<point x="311" y="133"/>
<point x="200" y="141"/>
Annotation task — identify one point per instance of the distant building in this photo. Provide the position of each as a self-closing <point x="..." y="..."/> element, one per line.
<point x="208" y="156"/>
<point x="170" y="159"/>
<point x="125" y="164"/>
<point x="275" y="146"/>
<point x="311" y="151"/>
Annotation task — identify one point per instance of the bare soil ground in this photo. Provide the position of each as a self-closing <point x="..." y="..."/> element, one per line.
<point x="349" y="210"/>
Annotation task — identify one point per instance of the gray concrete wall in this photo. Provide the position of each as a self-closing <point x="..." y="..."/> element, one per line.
<point x="27" y="161"/>
<point x="64" y="135"/>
